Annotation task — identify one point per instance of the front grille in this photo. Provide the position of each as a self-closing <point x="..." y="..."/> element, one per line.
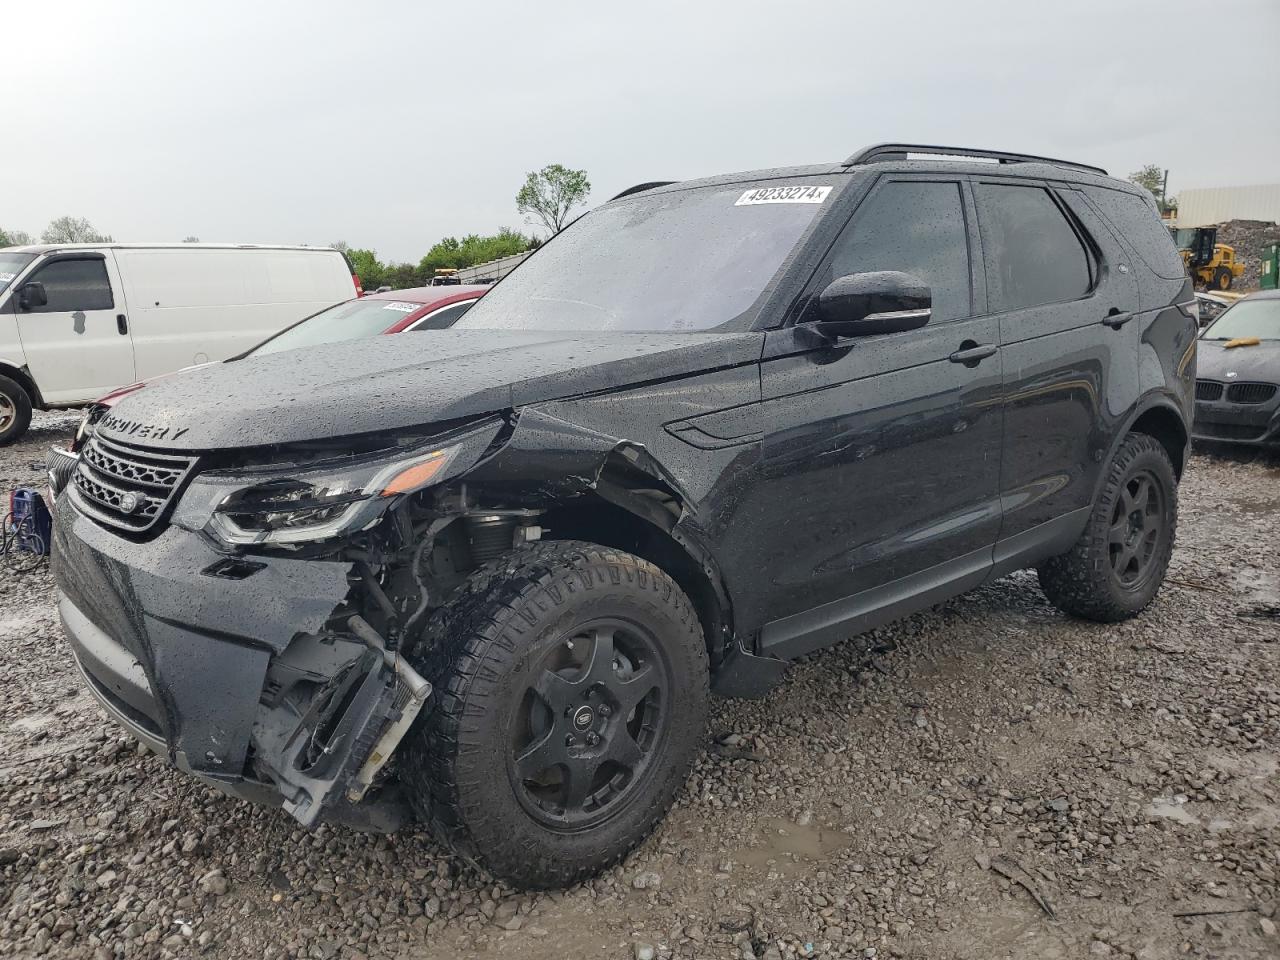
<point x="1208" y="390"/>
<point x="127" y="488"/>
<point x="1228" y="431"/>
<point x="1251" y="392"/>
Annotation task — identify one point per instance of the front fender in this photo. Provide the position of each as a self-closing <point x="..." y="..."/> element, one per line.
<point x="549" y="461"/>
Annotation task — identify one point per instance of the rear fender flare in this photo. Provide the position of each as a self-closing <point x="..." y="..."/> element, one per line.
<point x="1153" y="400"/>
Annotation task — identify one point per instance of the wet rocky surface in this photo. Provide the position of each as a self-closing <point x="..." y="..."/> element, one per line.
<point x="985" y="780"/>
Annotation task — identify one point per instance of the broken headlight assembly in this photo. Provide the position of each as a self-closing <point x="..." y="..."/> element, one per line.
<point x="308" y="506"/>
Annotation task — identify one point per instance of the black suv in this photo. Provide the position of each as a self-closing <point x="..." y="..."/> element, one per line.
<point x="488" y="575"/>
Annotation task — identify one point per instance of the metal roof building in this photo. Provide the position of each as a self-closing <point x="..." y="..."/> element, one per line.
<point x="1210" y="205"/>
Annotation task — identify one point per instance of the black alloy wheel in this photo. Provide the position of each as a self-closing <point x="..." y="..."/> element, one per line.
<point x="1115" y="568"/>
<point x="1138" y="528"/>
<point x="569" y="704"/>
<point x="588" y="720"/>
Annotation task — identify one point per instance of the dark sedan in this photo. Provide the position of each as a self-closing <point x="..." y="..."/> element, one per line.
<point x="1238" y="385"/>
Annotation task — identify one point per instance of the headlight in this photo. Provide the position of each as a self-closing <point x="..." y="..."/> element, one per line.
<point x="91" y="416"/>
<point x="309" y="506"/>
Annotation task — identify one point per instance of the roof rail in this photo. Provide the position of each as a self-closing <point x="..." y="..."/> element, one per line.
<point x="900" y="151"/>
<point x="642" y="187"/>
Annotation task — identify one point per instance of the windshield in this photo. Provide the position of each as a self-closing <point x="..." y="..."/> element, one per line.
<point x="1248" y="318"/>
<point x="351" y="320"/>
<point x="687" y="260"/>
<point x="11" y="265"/>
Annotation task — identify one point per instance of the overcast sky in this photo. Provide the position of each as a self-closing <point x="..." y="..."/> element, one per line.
<point x="389" y="125"/>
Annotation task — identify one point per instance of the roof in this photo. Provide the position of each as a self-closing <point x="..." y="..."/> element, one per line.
<point x="51" y="247"/>
<point x="909" y="158"/>
<point x="904" y="151"/>
<point x="431" y="295"/>
<point x="1263" y="295"/>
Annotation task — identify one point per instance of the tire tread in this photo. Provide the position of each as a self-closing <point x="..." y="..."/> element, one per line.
<point x="465" y="644"/>
<point x="1079" y="581"/>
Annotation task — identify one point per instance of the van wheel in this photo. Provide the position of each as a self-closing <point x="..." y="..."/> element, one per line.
<point x="1222" y="278"/>
<point x="1119" y="562"/>
<point x="15" y="411"/>
<point x="569" y="704"/>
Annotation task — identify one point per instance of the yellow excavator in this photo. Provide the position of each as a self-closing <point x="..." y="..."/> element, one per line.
<point x="1211" y="264"/>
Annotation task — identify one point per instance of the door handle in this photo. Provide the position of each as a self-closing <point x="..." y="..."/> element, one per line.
<point x="971" y="354"/>
<point x="122" y="324"/>
<point x="1115" y="319"/>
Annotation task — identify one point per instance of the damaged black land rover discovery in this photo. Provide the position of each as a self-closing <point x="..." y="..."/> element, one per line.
<point x="488" y="575"/>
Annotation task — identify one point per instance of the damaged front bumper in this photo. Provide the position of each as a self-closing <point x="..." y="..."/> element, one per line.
<point x="249" y="674"/>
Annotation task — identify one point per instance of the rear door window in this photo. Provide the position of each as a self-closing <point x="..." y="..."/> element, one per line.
<point x="1032" y="252"/>
<point x="75" y="285"/>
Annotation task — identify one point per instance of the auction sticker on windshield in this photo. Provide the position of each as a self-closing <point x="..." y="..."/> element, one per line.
<point x="783" y="195"/>
<point x="401" y="306"/>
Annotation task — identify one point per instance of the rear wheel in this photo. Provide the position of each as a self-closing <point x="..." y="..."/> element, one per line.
<point x="15" y="410"/>
<point x="1119" y="562"/>
<point x="1222" y="279"/>
<point x="570" y="703"/>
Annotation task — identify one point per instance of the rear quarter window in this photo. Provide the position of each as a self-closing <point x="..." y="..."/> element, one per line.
<point x="1138" y="221"/>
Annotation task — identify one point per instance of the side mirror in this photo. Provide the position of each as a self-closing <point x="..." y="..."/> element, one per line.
<point x="885" y="301"/>
<point x="32" y="295"/>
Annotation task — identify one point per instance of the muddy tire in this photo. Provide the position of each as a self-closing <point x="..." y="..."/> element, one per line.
<point x="15" y="411"/>
<point x="569" y="704"/>
<point x="1115" y="568"/>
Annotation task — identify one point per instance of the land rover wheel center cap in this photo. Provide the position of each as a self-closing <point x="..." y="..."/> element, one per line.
<point x="583" y="717"/>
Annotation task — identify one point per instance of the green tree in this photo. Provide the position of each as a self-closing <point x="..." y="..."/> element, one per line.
<point x="72" y="230"/>
<point x="550" y="194"/>
<point x="14" y="238"/>
<point x="1152" y="177"/>
<point x="473" y="249"/>
<point x="444" y="253"/>
<point x="367" y="267"/>
<point x="401" y="275"/>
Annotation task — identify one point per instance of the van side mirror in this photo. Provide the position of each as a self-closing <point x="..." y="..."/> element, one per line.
<point x="884" y="301"/>
<point x="32" y="295"/>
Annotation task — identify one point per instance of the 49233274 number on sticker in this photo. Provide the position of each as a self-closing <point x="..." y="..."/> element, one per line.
<point x="782" y="195"/>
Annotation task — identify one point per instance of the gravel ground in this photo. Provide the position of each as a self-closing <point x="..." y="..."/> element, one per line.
<point x="985" y="780"/>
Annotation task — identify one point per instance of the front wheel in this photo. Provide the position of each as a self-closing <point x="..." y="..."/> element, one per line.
<point x="570" y="704"/>
<point x="15" y="411"/>
<point x="1119" y="562"/>
<point x="1222" y="278"/>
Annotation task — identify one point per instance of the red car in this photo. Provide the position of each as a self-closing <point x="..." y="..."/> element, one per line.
<point x="396" y="311"/>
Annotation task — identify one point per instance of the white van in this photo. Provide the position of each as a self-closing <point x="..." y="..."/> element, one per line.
<point x="79" y="320"/>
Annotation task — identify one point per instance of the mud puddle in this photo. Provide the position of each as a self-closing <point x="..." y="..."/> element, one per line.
<point x="787" y="846"/>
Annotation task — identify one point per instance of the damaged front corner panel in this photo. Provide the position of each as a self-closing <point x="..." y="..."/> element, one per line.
<point x="544" y="458"/>
<point x="327" y="733"/>
<point x="548" y="458"/>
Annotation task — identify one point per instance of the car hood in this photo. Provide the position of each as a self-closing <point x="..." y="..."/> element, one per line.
<point x="1214" y="362"/>
<point x="408" y="380"/>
